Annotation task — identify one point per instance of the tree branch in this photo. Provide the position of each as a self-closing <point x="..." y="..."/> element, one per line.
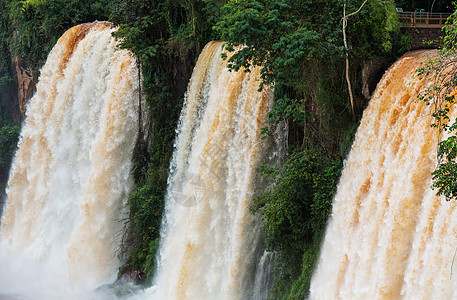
<point x="360" y="8"/>
<point x="348" y="80"/>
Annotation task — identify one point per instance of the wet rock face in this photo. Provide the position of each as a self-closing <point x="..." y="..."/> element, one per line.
<point x="129" y="274"/>
<point x="424" y="38"/>
<point x="8" y="92"/>
<point x="25" y="83"/>
<point x="372" y="72"/>
<point x="8" y="98"/>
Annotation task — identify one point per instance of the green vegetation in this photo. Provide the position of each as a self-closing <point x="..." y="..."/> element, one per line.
<point x="435" y="6"/>
<point x="38" y="24"/>
<point x="441" y="94"/>
<point x="9" y="130"/>
<point x="5" y="77"/>
<point x="9" y="134"/>
<point x="299" y="46"/>
<point x="295" y="212"/>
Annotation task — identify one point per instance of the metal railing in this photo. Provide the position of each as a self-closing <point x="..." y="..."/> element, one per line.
<point x="422" y="19"/>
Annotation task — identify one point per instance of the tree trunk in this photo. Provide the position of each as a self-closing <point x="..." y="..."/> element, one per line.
<point x="348" y="80"/>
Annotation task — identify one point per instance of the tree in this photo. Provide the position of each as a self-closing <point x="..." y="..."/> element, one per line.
<point x="439" y="6"/>
<point x="441" y="94"/>
<point x="348" y="80"/>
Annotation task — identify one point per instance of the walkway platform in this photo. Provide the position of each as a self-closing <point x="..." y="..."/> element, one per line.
<point x="422" y="19"/>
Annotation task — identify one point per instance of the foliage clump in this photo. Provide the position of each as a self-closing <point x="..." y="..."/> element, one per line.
<point x="441" y="94"/>
<point x="295" y="213"/>
<point x="36" y="25"/>
<point x="9" y="136"/>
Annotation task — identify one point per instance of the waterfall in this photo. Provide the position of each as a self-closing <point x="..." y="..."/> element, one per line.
<point x="210" y="242"/>
<point x="390" y="236"/>
<point x="70" y="175"/>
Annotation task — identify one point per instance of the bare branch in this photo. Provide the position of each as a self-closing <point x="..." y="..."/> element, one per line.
<point x="360" y="8"/>
<point x="348" y="80"/>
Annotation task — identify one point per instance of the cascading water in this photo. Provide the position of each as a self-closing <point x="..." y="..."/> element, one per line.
<point x="71" y="172"/>
<point x="390" y="237"/>
<point x="211" y="247"/>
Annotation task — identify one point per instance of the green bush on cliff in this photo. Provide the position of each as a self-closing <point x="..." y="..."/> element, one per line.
<point x="5" y="76"/>
<point x="146" y="206"/>
<point x="37" y="25"/>
<point x="295" y="212"/>
<point x="441" y="94"/>
<point x="9" y="135"/>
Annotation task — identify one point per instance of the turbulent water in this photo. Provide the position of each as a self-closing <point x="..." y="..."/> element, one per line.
<point x="211" y="248"/>
<point x="71" y="172"/>
<point x="390" y="237"/>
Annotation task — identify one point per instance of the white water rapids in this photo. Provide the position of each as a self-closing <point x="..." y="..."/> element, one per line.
<point x="71" y="173"/>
